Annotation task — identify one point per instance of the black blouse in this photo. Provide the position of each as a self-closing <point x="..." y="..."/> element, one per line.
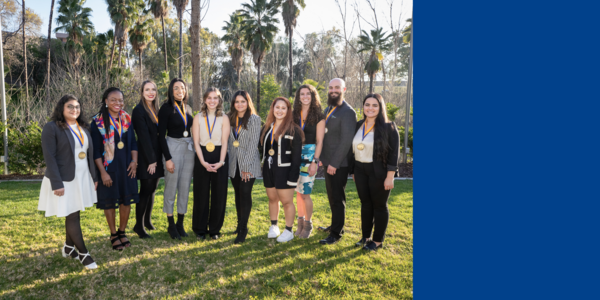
<point x="171" y="124"/>
<point x="310" y="133"/>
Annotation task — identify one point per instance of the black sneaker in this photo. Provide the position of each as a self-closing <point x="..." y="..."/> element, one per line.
<point x="362" y="242"/>
<point x="329" y="240"/>
<point x="201" y="237"/>
<point x="371" y="246"/>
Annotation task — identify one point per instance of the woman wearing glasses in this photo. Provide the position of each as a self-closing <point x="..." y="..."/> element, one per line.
<point x="70" y="179"/>
<point x="115" y="154"/>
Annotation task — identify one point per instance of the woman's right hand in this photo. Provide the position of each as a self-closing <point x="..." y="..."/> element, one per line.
<point x="59" y="192"/>
<point x="207" y="166"/>
<point x="170" y="166"/>
<point x="152" y="168"/>
<point x="246" y="176"/>
<point x="106" y="180"/>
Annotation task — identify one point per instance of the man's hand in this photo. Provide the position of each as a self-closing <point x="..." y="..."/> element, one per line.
<point x="331" y="170"/>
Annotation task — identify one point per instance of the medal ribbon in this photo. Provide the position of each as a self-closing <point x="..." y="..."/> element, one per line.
<point x="79" y="135"/>
<point x="365" y="133"/>
<point x="113" y="122"/>
<point x="183" y="115"/>
<point x="210" y="130"/>
<point x="272" y="130"/>
<point x="302" y="123"/>
<point x="237" y="127"/>
<point x="329" y="114"/>
<point x="154" y="115"/>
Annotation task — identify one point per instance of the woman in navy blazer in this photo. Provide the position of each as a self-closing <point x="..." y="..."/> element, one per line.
<point x="373" y="161"/>
<point x="150" y="168"/>
<point x="115" y="154"/>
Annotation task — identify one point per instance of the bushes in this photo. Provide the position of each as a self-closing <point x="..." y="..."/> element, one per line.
<point x="25" y="154"/>
<point x="410" y="140"/>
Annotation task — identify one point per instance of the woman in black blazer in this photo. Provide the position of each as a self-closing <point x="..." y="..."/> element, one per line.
<point x="150" y="168"/>
<point x="244" y="158"/>
<point x="281" y="141"/>
<point x="70" y="179"/>
<point x="373" y="162"/>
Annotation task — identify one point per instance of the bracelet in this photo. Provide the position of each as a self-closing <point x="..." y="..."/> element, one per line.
<point x="222" y="163"/>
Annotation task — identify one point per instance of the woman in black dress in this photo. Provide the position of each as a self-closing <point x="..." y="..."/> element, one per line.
<point x="150" y="168"/>
<point x="373" y="161"/>
<point x="115" y="155"/>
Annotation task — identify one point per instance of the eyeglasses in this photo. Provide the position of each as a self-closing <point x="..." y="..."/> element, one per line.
<point x="71" y="107"/>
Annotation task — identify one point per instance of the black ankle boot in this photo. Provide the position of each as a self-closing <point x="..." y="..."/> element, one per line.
<point x="241" y="237"/>
<point x="172" y="229"/>
<point x="179" y="225"/>
<point x="148" y="215"/>
<point x="139" y="220"/>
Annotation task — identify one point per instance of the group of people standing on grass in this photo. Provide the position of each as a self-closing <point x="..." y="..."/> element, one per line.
<point x="100" y="162"/>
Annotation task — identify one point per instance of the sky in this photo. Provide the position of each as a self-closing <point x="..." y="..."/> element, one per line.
<point x="319" y="15"/>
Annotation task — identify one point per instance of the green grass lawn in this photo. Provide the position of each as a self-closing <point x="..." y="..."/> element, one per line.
<point x="32" y="266"/>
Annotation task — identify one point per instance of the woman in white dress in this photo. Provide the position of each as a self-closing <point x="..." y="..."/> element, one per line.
<point x="70" y="181"/>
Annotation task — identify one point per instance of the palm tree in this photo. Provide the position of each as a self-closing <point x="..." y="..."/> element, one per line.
<point x="290" y="14"/>
<point x="74" y="19"/>
<point x="48" y="59"/>
<point x="103" y="42"/>
<point x="180" y="6"/>
<point x="406" y="32"/>
<point x="160" y="9"/>
<point x="376" y="43"/>
<point x="120" y="12"/>
<point x="234" y="39"/>
<point x="25" y="65"/>
<point x="259" y="31"/>
<point x="140" y="36"/>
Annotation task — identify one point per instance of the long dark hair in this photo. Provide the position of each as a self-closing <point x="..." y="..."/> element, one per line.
<point x="58" y="116"/>
<point x="104" y="109"/>
<point x="171" y="98"/>
<point x="381" y="145"/>
<point x="233" y="113"/>
<point x="315" y="112"/>
<point x="204" y="107"/>
<point x="154" y="102"/>
<point x="287" y="125"/>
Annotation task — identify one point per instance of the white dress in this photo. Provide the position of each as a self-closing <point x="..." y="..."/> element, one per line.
<point x="79" y="193"/>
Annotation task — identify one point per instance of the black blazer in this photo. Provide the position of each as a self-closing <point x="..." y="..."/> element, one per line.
<point x="58" y="146"/>
<point x="379" y="167"/>
<point x="289" y="156"/>
<point x="149" y="151"/>
<point x="338" y="136"/>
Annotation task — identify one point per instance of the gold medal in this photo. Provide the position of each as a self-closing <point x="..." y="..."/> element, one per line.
<point x="185" y="133"/>
<point x="120" y="145"/>
<point x="271" y="152"/>
<point x="236" y="143"/>
<point x="360" y="146"/>
<point x="81" y="155"/>
<point x="210" y="147"/>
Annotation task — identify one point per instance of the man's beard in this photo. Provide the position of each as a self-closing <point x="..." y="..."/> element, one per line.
<point x="333" y="101"/>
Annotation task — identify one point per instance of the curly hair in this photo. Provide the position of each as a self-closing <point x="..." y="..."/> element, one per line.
<point x="204" y="107"/>
<point x="315" y="112"/>
<point x="249" y="111"/>
<point x="58" y="113"/>
<point x="287" y="125"/>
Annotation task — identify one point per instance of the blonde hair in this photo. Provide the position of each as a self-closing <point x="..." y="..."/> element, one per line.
<point x="204" y="108"/>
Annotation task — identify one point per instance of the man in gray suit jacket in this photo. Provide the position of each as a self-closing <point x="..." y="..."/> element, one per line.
<point x="340" y="124"/>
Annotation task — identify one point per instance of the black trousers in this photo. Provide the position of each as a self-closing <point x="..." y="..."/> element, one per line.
<point x="336" y="192"/>
<point x="373" y="199"/>
<point x="210" y="194"/>
<point x="243" y="198"/>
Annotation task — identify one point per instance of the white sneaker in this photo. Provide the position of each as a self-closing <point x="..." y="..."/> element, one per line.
<point x="273" y="232"/>
<point x="286" y="236"/>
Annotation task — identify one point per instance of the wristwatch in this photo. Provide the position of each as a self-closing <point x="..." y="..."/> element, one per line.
<point x="316" y="160"/>
<point x="222" y="162"/>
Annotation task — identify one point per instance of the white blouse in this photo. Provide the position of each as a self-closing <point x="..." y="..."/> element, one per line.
<point x="215" y="138"/>
<point x="365" y="155"/>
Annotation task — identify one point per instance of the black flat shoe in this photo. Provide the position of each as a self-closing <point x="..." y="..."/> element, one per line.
<point x="139" y="230"/>
<point x="371" y="246"/>
<point x="241" y="237"/>
<point x="329" y="240"/>
<point x="201" y="237"/>
<point x="325" y="229"/>
<point x="362" y="242"/>
<point x="214" y="237"/>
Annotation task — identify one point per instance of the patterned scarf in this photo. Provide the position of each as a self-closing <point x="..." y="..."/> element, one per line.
<point x="109" y="144"/>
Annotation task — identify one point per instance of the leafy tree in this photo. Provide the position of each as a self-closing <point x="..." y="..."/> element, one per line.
<point x="375" y="43"/>
<point x="406" y="32"/>
<point x="120" y="12"/>
<point x="140" y="35"/>
<point x="180" y="6"/>
<point x="259" y="31"/>
<point x="290" y="12"/>
<point x="270" y="90"/>
<point x="160" y="9"/>
<point x="234" y="38"/>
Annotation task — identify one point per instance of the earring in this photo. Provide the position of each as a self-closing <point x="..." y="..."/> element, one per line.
<point x="106" y="105"/>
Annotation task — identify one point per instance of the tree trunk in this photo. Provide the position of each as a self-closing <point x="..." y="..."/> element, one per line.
<point x="238" y="80"/>
<point x="196" y="59"/>
<point x="120" y="52"/>
<point x="141" y="67"/>
<point x="384" y="81"/>
<point x="162" y="20"/>
<point x="112" y="52"/>
<point x="290" y="64"/>
<point x="408" y="96"/>
<point x="25" y="68"/>
<point x="180" y="45"/>
<point x="48" y="59"/>
<point x="257" y="89"/>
